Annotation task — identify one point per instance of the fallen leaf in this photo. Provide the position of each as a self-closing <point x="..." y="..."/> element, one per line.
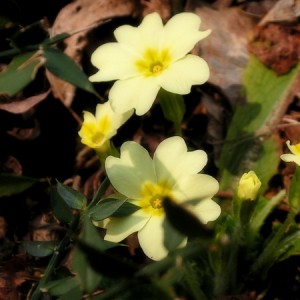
<point x="277" y="46"/>
<point x="78" y="18"/>
<point x="225" y="49"/>
<point x="22" y="106"/>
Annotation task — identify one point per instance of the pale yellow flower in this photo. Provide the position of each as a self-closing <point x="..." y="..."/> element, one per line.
<point x="149" y="57"/>
<point x="97" y="129"/>
<point x="172" y="173"/>
<point x="248" y="186"/>
<point x="295" y="156"/>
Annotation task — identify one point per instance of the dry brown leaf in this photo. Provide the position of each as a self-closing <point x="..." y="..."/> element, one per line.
<point x="19" y="107"/>
<point x="283" y="11"/>
<point x="162" y="7"/>
<point x="11" y="165"/>
<point x="225" y="49"/>
<point x="23" y="134"/>
<point x="80" y="16"/>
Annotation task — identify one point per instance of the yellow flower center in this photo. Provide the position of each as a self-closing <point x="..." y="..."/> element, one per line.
<point x="296" y="149"/>
<point x="96" y="133"/>
<point x="153" y="62"/>
<point x="153" y="195"/>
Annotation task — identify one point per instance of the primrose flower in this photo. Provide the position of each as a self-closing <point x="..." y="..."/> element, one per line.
<point x="248" y="186"/>
<point x="295" y="156"/>
<point x="149" y="57"/>
<point x="98" y="129"/>
<point x="172" y="173"/>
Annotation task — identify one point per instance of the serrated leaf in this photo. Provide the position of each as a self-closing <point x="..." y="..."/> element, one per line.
<point x="65" y="68"/>
<point x="39" y="248"/>
<point x="74" y="199"/>
<point x="20" y="72"/>
<point x="11" y="184"/>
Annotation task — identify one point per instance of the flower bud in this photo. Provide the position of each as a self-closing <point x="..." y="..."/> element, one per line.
<point x="248" y="186"/>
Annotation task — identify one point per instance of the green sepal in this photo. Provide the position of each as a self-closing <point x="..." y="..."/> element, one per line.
<point x="112" y="206"/>
<point x="74" y="199"/>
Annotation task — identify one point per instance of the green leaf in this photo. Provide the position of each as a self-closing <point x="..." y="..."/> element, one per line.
<point x="107" y="264"/>
<point x="249" y="144"/>
<point x="62" y="286"/>
<point x="289" y="246"/>
<point x="65" y="68"/>
<point x="125" y="210"/>
<point x="20" y="72"/>
<point x="60" y="208"/>
<point x="294" y="192"/>
<point x="112" y="206"/>
<point x="90" y="235"/>
<point x="73" y="198"/>
<point x="172" y="106"/>
<point x="75" y="294"/>
<point x="263" y="208"/>
<point x="172" y="237"/>
<point x="184" y="221"/>
<point x="40" y="248"/>
<point x="11" y="184"/>
<point x="55" y="39"/>
<point x="89" y="277"/>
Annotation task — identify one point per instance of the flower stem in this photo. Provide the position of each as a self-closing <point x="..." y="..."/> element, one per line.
<point x="268" y="256"/>
<point x="58" y="252"/>
<point x="173" y="108"/>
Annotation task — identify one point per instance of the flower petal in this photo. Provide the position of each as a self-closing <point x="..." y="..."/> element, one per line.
<point x="195" y="186"/>
<point x="171" y="160"/>
<point x="117" y="229"/>
<point x="151" y="238"/>
<point x="291" y="158"/>
<point x="114" y="62"/>
<point x="182" y="74"/>
<point x="128" y="173"/>
<point x="146" y="35"/>
<point x="207" y="210"/>
<point x="105" y="110"/>
<point x="137" y="92"/>
<point x="186" y="26"/>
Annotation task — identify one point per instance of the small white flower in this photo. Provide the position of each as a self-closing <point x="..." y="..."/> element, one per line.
<point x="149" y="57"/>
<point x="172" y="173"/>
